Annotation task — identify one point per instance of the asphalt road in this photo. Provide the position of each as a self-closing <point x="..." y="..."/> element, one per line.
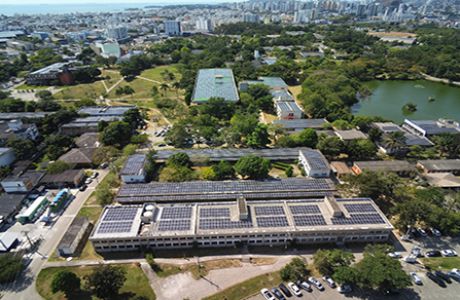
<point x="24" y="287"/>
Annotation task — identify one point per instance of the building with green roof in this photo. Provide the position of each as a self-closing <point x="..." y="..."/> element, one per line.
<point x="215" y="83"/>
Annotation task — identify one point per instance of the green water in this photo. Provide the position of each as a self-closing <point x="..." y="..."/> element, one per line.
<point x="388" y="98"/>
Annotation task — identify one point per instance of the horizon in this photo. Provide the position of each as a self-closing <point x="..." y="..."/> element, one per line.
<point x="147" y="2"/>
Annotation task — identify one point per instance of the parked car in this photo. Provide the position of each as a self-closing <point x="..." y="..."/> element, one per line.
<point x="422" y="232"/>
<point x="448" y="252"/>
<point x="83" y="188"/>
<point x="433" y="253"/>
<point x="344" y="289"/>
<point x="455" y="274"/>
<point x="436" y="279"/>
<point x="410" y="259"/>
<point x="104" y="165"/>
<point x="95" y="174"/>
<point x="435" y="232"/>
<point x="278" y="294"/>
<point x="267" y="295"/>
<point x="329" y="282"/>
<point x="406" y="238"/>
<point x="285" y="290"/>
<point x="88" y="180"/>
<point x="295" y="289"/>
<point x="305" y="286"/>
<point x="443" y="276"/>
<point x="395" y="255"/>
<point x="415" y="278"/>
<point x="316" y="283"/>
<point x="416" y="251"/>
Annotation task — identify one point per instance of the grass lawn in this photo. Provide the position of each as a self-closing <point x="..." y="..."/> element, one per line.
<point x="136" y="283"/>
<point x="248" y="287"/>
<point x="84" y="90"/>
<point x="295" y="90"/>
<point x="155" y="73"/>
<point x="197" y="271"/>
<point x="26" y="86"/>
<point x="91" y="212"/>
<point x="445" y="263"/>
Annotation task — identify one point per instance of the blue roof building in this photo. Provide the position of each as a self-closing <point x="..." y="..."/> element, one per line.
<point x="215" y="83"/>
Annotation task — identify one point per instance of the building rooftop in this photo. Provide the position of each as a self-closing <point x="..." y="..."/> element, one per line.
<point x="271" y="82"/>
<point x="203" y="218"/>
<point x="105" y="110"/>
<point x="91" y="121"/>
<point x="340" y="168"/>
<point x="73" y="231"/>
<point x="4" y="150"/>
<point x="68" y="176"/>
<point x="443" y="180"/>
<point x="385" y="166"/>
<point x="439" y="165"/>
<point x="88" y="140"/>
<point x="54" y="68"/>
<point x="288" y="107"/>
<point x="218" y="83"/>
<point x="134" y="165"/>
<point x="433" y="127"/>
<point x="10" y="203"/>
<point x="221" y="190"/>
<point x="410" y="138"/>
<point x="231" y="154"/>
<point x="315" y="159"/>
<point x="78" y="156"/>
<point x="301" y="123"/>
<point x="281" y="95"/>
<point x="23" y="115"/>
<point x="352" y="134"/>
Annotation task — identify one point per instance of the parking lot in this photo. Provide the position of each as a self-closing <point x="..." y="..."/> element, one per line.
<point x="429" y="290"/>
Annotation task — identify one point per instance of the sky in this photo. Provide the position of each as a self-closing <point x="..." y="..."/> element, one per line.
<point x="25" y="2"/>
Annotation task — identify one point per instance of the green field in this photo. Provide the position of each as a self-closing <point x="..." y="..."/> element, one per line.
<point x="248" y="287"/>
<point x="84" y="90"/>
<point x="136" y="283"/>
<point x="25" y="86"/>
<point x="445" y="263"/>
<point x="155" y="73"/>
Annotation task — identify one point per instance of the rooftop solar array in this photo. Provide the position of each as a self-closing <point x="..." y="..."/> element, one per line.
<point x="105" y="110"/>
<point x="300" y="124"/>
<point x="315" y="159"/>
<point x="174" y="225"/>
<point x="118" y="220"/>
<point x="134" y="165"/>
<point x="215" y="212"/>
<point x="309" y="220"/>
<point x="359" y="208"/>
<point x="358" y="219"/>
<point x="223" y="223"/>
<point x="304" y="209"/>
<point x="184" y="212"/>
<point x="232" y="154"/>
<point x="269" y="210"/>
<point x="272" y="221"/>
<point x="218" y="187"/>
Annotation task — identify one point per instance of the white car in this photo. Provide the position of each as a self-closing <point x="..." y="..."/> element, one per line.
<point x="316" y="283"/>
<point x="88" y="181"/>
<point x="435" y="232"/>
<point x="422" y="232"/>
<point x="411" y="259"/>
<point x="395" y="255"/>
<point x="416" y="251"/>
<point x="267" y="295"/>
<point x="306" y="286"/>
<point x="455" y="274"/>
<point x="295" y="289"/>
<point x="330" y="282"/>
<point x="415" y="278"/>
<point x="448" y="252"/>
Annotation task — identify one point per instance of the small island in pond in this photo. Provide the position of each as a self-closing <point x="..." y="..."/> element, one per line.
<point x="409" y="108"/>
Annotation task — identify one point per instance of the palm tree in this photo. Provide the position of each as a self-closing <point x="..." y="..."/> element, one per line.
<point x="395" y="141"/>
<point x="164" y="87"/>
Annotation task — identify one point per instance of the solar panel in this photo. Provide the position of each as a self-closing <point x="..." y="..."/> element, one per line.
<point x="115" y="227"/>
<point x="272" y="222"/>
<point x="215" y="212"/>
<point x="223" y="223"/>
<point x="184" y="212"/>
<point x="304" y="209"/>
<point x="310" y="220"/>
<point x="359" y="219"/>
<point x="269" y="210"/>
<point x="174" y="225"/>
<point x="120" y="213"/>
<point x="359" y="208"/>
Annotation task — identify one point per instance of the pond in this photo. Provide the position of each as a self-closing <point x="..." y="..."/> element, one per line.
<point x="433" y="100"/>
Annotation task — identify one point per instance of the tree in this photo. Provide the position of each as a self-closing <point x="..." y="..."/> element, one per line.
<point x="10" y="267"/>
<point x="252" y="167"/>
<point x="22" y="148"/>
<point x="116" y="134"/>
<point x="44" y="95"/>
<point x="106" y="280"/>
<point x="330" y="146"/>
<point x="178" y="136"/>
<point x="379" y="271"/>
<point x="328" y="261"/>
<point x="361" y="149"/>
<point x="164" y="87"/>
<point x="207" y="173"/>
<point x="104" y="195"/>
<point x="223" y="170"/>
<point x="306" y="138"/>
<point x="448" y="144"/>
<point x="65" y="281"/>
<point x="295" y="270"/>
<point x="134" y="118"/>
<point x="57" y="167"/>
<point x="180" y="159"/>
<point x="176" y="174"/>
<point x="105" y="154"/>
<point x="259" y="137"/>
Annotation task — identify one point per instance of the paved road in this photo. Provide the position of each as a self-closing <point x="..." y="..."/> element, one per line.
<point x="24" y="287"/>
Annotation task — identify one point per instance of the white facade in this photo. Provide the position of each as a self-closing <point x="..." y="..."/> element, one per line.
<point x="172" y="27"/>
<point x="314" y="163"/>
<point x="288" y="110"/>
<point x="7" y="157"/>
